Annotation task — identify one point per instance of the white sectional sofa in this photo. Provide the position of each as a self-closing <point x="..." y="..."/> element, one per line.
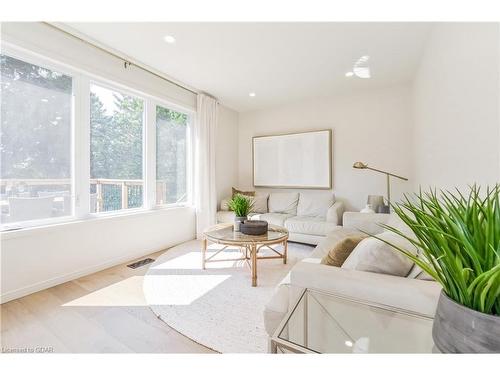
<point x="308" y="216"/>
<point x="413" y="292"/>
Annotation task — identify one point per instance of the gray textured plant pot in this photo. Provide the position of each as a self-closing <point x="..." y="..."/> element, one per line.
<point x="458" y="329"/>
<point x="237" y="221"/>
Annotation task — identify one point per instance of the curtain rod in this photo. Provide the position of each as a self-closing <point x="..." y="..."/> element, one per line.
<point x="125" y="60"/>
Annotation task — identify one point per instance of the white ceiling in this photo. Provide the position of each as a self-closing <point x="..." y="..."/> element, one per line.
<point x="280" y="62"/>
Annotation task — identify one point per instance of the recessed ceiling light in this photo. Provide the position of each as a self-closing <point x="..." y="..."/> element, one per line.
<point x="360" y="68"/>
<point x="169" y="39"/>
<point x="251" y="94"/>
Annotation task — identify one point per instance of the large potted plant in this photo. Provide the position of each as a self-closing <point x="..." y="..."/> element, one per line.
<point x="459" y="241"/>
<point x="241" y="206"/>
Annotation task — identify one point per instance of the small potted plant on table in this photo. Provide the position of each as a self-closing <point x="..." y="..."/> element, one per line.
<point x="241" y="206"/>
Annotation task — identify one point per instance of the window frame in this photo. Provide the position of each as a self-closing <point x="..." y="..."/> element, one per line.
<point x="116" y="88"/>
<point x="189" y="154"/>
<point x="48" y="63"/>
<point x="80" y="142"/>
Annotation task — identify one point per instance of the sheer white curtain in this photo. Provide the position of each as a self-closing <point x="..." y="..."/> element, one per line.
<point x="204" y="189"/>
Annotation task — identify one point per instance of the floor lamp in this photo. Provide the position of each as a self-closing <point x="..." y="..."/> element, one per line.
<point x="384" y="209"/>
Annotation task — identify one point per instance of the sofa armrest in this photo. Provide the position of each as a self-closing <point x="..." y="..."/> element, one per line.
<point x="365" y="222"/>
<point x="223" y="204"/>
<point x="334" y="213"/>
<point x="417" y="296"/>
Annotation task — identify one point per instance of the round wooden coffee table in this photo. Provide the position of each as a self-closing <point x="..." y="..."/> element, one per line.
<point x="249" y="245"/>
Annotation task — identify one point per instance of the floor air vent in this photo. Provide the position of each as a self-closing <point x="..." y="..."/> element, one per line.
<point x="140" y="263"/>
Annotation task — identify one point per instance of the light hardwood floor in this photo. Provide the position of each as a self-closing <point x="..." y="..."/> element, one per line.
<point x="101" y="313"/>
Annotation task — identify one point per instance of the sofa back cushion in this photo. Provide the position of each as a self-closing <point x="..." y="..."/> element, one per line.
<point x="260" y="202"/>
<point x="247" y="193"/>
<point x="283" y="203"/>
<point x="373" y="255"/>
<point x="315" y="203"/>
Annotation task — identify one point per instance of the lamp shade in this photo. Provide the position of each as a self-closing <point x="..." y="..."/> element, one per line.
<point x="375" y="201"/>
<point x="359" y="165"/>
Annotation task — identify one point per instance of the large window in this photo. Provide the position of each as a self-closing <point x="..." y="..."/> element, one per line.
<point x="171" y="156"/>
<point x="36" y="139"/>
<point x="74" y="145"/>
<point x="116" y="167"/>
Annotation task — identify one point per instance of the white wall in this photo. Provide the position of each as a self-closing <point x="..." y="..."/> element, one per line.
<point x="35" y="259"/>
<point x="226" y="153"/>
<point x="373" y="126"/>
<point x="456" y="107"/>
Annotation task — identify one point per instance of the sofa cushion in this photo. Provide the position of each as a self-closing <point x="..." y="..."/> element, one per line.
<point x="418" y="273"/>
<point x="225" y="217"/>
<point x="272" y="218"/>
<point x="317" y="226"/>
<point x="247" y="193"/>
<point x="339" y="253"/>
<point x="260" y="202"/>
<point x="331" y="239"/>
<point x="373" y="255"/>
<point x="315" y="204"/>
<point x="283" y="203"/>
<point x="228" y="216"/>
<point x="396" y="222"/>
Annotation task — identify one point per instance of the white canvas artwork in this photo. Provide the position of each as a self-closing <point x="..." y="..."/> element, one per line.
<point x="300" y="160"/>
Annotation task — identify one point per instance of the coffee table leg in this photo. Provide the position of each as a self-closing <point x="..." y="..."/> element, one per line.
<point x="285" y="251"/>
<point x="253" y="254"/>
<point x="203" y="253"/>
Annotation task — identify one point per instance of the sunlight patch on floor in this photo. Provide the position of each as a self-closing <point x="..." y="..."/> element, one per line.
<point x="192" y="260"/>
<point x="185" y="289"/>
<point x="127" y="292"/>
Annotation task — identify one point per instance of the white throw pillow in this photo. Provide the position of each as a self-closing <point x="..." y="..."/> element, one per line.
<point x="260" y="202"/>
<point x="283" y="203"/>
<point x="418" y="273"/>
<point x="373" y="255"/>
<point x="315" y="204"/>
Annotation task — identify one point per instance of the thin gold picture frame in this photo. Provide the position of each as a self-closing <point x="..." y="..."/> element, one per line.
<point x="330" y="161"/>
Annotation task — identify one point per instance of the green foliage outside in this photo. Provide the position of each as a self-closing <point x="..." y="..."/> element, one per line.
<point x="35" y="121"/>
<point x="116" y="140"/>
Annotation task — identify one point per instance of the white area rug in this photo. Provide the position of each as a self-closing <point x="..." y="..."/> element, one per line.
<point x="216" y="307"/>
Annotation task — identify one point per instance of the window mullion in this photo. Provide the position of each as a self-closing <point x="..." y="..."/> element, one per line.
<point x="82" y="147"/>
<point x="150" y="155"/>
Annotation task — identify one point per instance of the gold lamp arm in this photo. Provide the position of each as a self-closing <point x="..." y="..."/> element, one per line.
<point x="361" y="165"/>
<point x="387" y="173"/>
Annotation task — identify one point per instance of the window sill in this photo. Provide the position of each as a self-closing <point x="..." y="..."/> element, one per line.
<point x="57" y="226"/>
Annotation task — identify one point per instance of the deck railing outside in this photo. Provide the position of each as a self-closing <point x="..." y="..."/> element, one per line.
<point x="106" y="194"/>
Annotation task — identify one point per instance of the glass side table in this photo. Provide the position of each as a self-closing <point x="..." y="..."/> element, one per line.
<point x="325" y="323"/>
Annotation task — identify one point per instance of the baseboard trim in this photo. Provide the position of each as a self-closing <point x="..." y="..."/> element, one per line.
<point x="33" y="288"/>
